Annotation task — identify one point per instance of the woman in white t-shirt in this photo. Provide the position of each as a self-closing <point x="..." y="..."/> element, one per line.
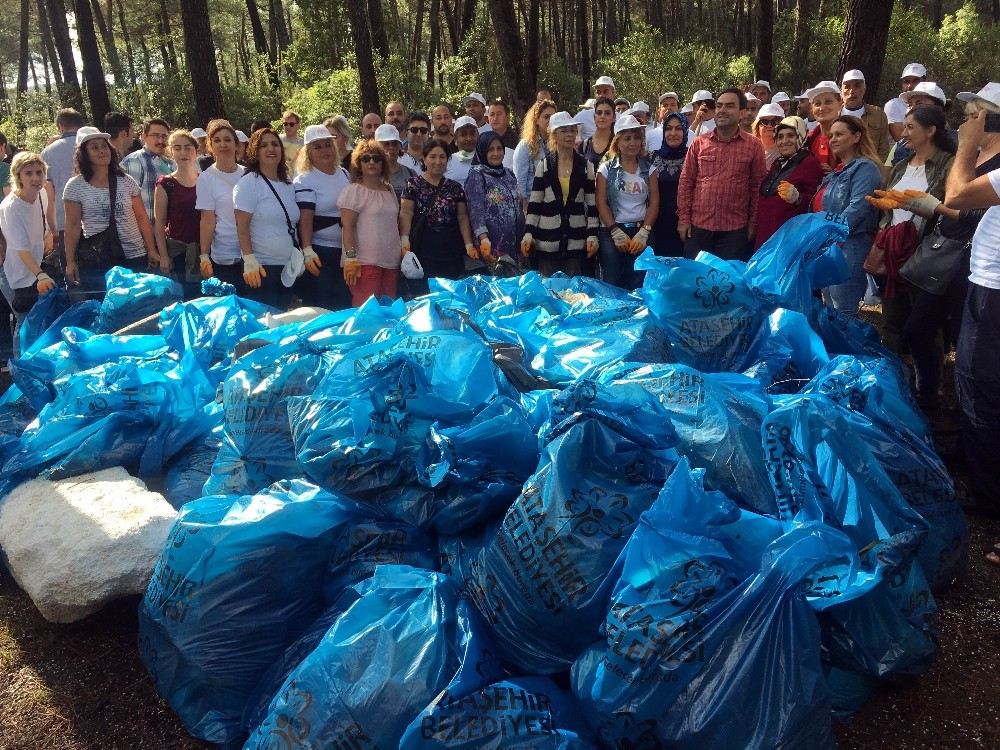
<point x="220" y="247"/>
<point x="320" y="181"/>
<point x="628" y="201"/>
<point x="27" y="232"/>
<point x="267" y="218"/>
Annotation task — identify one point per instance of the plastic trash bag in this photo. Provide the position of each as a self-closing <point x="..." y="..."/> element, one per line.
<point x="691" y="646"/>
<point x="707" y="311"/>
<point x="802" y="256"/>
<point x="520" y="713"/>
<point x="403" y="638"/>
<point x="543" y="580"/>
<point x="240" y="579"/>
<point x="14" y="417"/>
<point x="787" y="352"/>
<point x="42" y="315"/>
<point x="716" y="418"/>
<point x="190" y="469"/>
<point x="456" y="553"/>
<point x="846" y="334"/>
<point x="132" y="296"/>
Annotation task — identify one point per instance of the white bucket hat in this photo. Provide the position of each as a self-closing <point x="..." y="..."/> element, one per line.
<point x="89" y="133"/>
<point x="823" y="87"/>
<point x="927" y="88"/>
<point x="475" y="96"/>
<point x="316" y="133"/>
<point x="989" y="93"/>
<point x="563" y="120"/>
<point x="781" y="96"/>
<point x="199" y="133"/>
<point x="640" y="106"/>
<point x="765" y="84"/>
<point x="624" y="122"/>
<point x="702" y="95"/>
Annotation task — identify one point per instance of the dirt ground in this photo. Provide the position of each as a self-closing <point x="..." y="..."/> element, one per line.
<point x="83" y="687"/>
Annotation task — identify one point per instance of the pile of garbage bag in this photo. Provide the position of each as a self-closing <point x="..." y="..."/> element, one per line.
<point x="515" y="512"/>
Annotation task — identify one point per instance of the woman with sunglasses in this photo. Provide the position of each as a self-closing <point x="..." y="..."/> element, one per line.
<point x="792" y="180"/>
<point x="267" y="217"/>
<point x="446" y="233"/>
<point x="768" y="117"/>
<point x="369" y="215"/>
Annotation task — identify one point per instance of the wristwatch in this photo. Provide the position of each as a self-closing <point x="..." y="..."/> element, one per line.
<point x="647" y="227"/>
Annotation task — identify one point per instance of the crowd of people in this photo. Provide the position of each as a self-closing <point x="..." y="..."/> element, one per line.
<point x="315" y="215"/>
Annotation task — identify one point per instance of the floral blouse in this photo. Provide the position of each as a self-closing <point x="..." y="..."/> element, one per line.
<point x="438" y="204"/>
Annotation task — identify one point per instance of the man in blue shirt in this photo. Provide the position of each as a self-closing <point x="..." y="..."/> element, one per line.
<point x="148" y="164"/>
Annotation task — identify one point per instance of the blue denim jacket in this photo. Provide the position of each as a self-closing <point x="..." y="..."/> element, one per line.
<point x="844" y="194"/>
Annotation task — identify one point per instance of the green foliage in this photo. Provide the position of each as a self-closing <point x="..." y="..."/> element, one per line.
<point x="566" y="86"/>
<point x="338" y="93"/>
<point x="30" y="124"/>
<point x="397" y="78"/>
<point x="644" y="65"/>
<point x="965" y="51"/>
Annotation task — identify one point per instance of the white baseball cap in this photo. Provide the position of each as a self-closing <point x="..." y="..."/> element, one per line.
<point x="752" y="98"/>
<point x="669" y="95"/>
<point x="563" y="120"/>
<point x="988" y="93"/>
<point x="765" y="84"/>
<point x="781" y="96"/>
<point x="316" y="133"/>
<point x="914" y="70"/>
<point x="464" y="122"/>
<point x="475" y="96"/>
<point x="771" y="110"/>
<point x="589" y="104"/>
<point x="640" y="106"/>
<point x="823" y="87"/>
<point x="89" y="133"/>
<point x="853" y="75"/>
<point x="702" y="95"/>
<point x="242" y="137"/>
<point x="386" y="133"/>
<point x="927" y="88"/>
<point x="804" y="96"/>
<point x="624" y="122"/>
<point x="604" y="81"/>
<point x="199" y="133"/>
<point x="687" y="109"/>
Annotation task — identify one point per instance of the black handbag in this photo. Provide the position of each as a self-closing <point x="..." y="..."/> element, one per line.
<point x="104" y="249"/>
<point x="936" y="261"/>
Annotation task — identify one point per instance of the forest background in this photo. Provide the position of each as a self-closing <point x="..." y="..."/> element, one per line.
<point x="190" y="60"/>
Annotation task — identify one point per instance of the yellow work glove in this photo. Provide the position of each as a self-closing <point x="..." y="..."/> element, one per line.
<point x="205" y="266"/>
<point x="253" y="272"/>
<point x="352" y="272"/>
<point x="312" y="261"/>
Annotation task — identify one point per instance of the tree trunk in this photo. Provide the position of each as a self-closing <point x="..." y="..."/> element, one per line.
<point x="281" y="29"/>
<point x="199" y="50"/>
<point x="418" y="34"/>
<point x="110" y="49"/>
<point x="69" y="93"/>
<point x="612" y="14"/>
<point x="22" y="53"/>
<point x="936" y="11"/>
<point x="376" y="22"/>
<point x="127" y="38"/>
<point x="865" y="35"/>
<point x="435" y="31"/>
<point x="48" y="50"/>
<point x="363" y="51"/>
<point x="508" y="34"/>
<point x="583" y="42"/>
<point x="259" y="40"/>
<point x="765" y="39"/>
<point x="170" y="53"/>
<point x="800" y="41"/>
<point x="93" y="71"/>
<point x="534" y="11"/>
<point x="451" y="22"/>
<point x="469" y="15"/>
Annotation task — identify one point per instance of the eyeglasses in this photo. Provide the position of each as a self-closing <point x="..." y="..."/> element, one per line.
<point x="367" y="158"/>
<point x="419" y="131"/>
<point x="290" y="124"/>
<point x="771" y="122"/>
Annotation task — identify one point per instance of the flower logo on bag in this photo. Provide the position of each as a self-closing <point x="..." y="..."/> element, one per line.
<point x="291" y="728"/>
<point x="714" y="289"/>
<point x="623" y="732"/>
<point x="599" y="511"/>
<point x="699" y="585"/>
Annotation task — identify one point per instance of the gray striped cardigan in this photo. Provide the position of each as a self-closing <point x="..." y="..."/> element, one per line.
<point x="555" y="226"/>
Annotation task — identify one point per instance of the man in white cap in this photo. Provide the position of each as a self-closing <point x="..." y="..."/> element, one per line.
<point x="719" y="187"/>
<point x="475" y="107"/>
<point x="200" y="135"/>
<point x="669" y="102"/>
<point x="466" y="135"/>
<point x="622" y="105"/>
<point x="750" y="113"/>
<point x="895" y="109"/>
<point x="703" y="108"/>
<point x="640" y="111"/>
<point x="784" y="100"/>
<point x="852" y="91"/>
<point x="603" y="86"/>
<point x="762" y="90"/>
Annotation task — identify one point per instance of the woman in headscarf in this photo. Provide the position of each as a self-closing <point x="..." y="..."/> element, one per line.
<point x="494" y="201"/>
<point x="791" y="182"/>
<point x="668" y="160"/>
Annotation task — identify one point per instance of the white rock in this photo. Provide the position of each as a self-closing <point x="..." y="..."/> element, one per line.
<point x="76" y="544"/>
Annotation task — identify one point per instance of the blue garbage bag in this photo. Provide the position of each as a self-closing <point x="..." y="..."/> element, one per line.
<point x="190" y="468"/>
<point x="542" y="582"/>
<point x="520" y="713"/>
<point x="404" y="636"/>
<point x="456" y="553"/>
<point x="211" y="327"/>
<point x="691" y="645"/>
<point x="802" y="256"/>
<point x="786" y="352"/>
<point x="133" y="412"/>
<point x="132" y="296"/>
<point x="14" y="417"/>
<point x="706" y="309"/>
<point x="240" y="579"/>
<point x="846" y="334"/>
<point x="716" y="418"/>
<point x="572" y="327"/>
<point x="42" y="315"/>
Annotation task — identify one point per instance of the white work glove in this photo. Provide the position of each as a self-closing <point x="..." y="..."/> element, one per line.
<point x="253" y="271"/>
<point x="619" y="237"/>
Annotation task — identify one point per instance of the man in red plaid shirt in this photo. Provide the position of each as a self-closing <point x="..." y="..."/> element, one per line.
<point x="720" y="185"/>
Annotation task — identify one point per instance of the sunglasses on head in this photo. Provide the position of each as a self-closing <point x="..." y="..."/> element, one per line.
<point x="771" y="122"/>
<point x="371" y="158"/>
<point x="417" y="131"/>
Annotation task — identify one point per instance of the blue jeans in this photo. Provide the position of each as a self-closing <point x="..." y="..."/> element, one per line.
<point x="618" y="267"/>
<point x="846" y="296"/>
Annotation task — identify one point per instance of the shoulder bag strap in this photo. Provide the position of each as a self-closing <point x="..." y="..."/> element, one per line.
<point x="288" y="219"/>
<point x="113" y="195"/>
